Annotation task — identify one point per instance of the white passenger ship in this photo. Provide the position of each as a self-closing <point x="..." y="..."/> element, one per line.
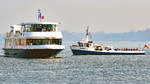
<point x="34" y="40"/>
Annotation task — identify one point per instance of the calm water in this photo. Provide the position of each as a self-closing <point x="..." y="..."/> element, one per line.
<point x="68" y="69"/>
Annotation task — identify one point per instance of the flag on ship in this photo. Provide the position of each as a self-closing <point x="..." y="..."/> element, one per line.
<point x="40" y="15"/>
<point x="146" y="47"/>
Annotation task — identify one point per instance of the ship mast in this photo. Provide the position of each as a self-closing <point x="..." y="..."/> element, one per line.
<point x="87" y="33"/>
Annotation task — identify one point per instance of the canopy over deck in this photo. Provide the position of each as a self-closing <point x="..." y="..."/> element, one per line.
<point x="29" y="23"/>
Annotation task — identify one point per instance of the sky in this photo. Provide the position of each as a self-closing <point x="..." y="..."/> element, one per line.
<point x="110" y="16"/>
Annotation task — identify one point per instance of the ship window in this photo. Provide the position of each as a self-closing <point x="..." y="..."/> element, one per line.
<point x="44" y="41"/>
<point x="81" y="44"/>
<point x="40" y="28"/>
<point x="8" y="42"/>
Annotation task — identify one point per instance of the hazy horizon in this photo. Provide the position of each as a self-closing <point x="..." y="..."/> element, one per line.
<point x="110" y="16"/>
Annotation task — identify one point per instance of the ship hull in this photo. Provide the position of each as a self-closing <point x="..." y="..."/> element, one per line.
<point x="31" y="53"/>
<point x="83" y="52"/>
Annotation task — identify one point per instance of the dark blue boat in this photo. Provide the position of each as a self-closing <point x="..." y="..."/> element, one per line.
<point x="86" y="47"/>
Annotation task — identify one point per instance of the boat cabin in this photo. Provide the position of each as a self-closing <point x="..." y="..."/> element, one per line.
<point x="85" y="44"/>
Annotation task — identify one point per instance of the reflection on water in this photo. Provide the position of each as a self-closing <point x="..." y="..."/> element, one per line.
<point x="69" y="69"/>
<point x="56" y="59"/>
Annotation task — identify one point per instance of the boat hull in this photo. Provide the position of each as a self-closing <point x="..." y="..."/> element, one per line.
<point x="31" y="53"/>
<point x="83" y="52"/>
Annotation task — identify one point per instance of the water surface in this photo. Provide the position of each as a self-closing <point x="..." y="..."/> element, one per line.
<point x="69" y="69"/>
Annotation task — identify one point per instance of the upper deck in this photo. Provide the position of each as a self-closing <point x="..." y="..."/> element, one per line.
<point x="39" y="27"/>
<point x="35" y="30"/>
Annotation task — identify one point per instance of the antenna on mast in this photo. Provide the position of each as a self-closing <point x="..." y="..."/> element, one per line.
<point x="87" y="33"/>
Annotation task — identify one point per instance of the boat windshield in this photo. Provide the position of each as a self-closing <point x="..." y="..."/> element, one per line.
<point x="83" y="44"/>
<point x="39" y="27"/>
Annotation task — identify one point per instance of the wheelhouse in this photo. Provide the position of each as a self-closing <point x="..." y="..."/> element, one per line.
<point x="85" y="44"/>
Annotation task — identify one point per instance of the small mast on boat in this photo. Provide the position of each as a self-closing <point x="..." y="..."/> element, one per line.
<point x="87" y="34"/>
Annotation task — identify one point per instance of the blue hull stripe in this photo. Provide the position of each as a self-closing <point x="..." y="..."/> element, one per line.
<point x="81" y="52"/>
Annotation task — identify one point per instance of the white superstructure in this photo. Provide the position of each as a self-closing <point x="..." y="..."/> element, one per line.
<point x="25" y="35"/>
